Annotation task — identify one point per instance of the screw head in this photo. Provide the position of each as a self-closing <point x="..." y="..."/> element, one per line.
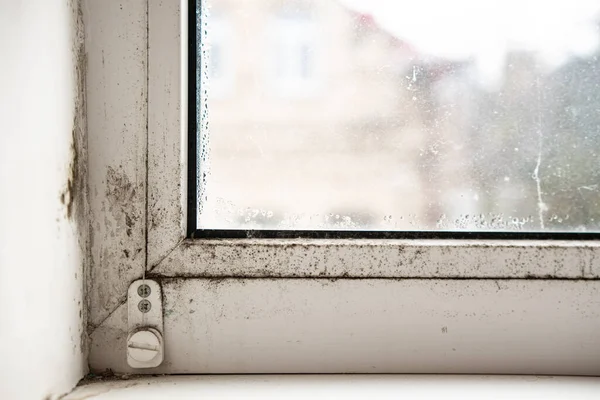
<point x="144" y="290"/>
<point x="143" y="346"/>
<point x="144" y="306"/>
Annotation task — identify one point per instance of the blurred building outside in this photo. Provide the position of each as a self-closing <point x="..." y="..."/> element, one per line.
<point x="321" y="118"/>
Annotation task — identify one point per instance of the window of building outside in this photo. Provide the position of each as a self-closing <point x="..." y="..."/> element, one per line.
<point x="221" y="64"/>
<point x="429" y="116"/>
<point x="293" y="45"/>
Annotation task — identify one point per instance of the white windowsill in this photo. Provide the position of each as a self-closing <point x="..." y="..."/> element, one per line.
<point x="411" y="387"/>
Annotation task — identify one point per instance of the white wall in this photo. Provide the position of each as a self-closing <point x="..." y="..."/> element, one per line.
<point x="42" y="215"/>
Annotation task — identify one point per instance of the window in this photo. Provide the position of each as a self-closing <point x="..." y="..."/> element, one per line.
<point x="251" y="292"/>
<point x="423" y="127"/>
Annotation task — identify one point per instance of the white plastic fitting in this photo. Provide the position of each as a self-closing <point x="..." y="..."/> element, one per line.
<point x="144" y="347"/>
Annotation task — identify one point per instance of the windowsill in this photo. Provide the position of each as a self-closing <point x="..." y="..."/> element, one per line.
<point x="341" y="386"/>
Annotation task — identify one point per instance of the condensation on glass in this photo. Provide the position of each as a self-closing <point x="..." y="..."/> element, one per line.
<point x="400" y="115"/>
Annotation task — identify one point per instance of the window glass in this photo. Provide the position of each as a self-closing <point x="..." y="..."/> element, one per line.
<point x="400" y="115"/>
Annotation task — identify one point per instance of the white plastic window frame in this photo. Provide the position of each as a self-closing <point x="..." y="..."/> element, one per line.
<point x="379" y="270"/>
<point x="167" y="205"/>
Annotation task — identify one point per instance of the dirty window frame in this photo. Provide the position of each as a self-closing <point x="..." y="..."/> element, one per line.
<point x="174" y="250"/>
<point x="348" y="292"/>
<point x="175" y="244"/>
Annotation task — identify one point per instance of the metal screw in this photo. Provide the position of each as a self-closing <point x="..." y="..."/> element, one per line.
<point x="144" y="290"/>
<point x="144" y="306"/>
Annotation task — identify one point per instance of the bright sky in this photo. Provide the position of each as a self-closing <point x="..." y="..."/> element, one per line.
<point x="487" y="29"/>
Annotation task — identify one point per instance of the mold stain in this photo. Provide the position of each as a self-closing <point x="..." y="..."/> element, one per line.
<point x="122" y="196"/>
